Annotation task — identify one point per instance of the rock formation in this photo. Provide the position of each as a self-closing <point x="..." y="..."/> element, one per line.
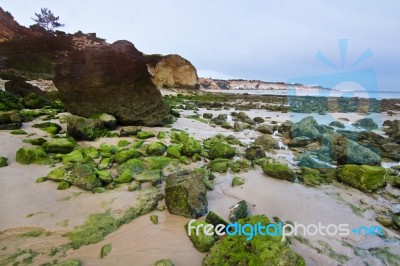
<point x="110" y="79"/>
<point x="172" y="71"/>
<point x="10" y="29"/>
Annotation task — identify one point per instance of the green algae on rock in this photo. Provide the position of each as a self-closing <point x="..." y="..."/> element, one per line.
<point x="201" y="241"/>
<point x="186" y="194"/>
<point x="59" y="146"/>
<point x="280" y="171"/>
<point x="3" y="161"/>
<point x="260" y="250"/>
<point x="222" y="150"/>
<point x="363" y="177"/>
<point x="163" y="262"/>
<point x="33" y="156"/>
<point x="237" y="181"/>
<point x="255" y="152"/>
<point x="238" y="211"/>
<point x="145" y="135"/>
<point x="191" y="147"/>
<point x="156" y="149"/>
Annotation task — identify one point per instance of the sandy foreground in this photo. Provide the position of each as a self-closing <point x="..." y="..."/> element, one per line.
<point x="26" y="205"/>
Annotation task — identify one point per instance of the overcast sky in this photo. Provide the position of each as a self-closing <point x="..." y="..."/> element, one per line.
<point x="255" y="39"/>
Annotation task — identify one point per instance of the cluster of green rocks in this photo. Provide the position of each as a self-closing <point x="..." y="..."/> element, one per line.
<point x="239" y="249"/>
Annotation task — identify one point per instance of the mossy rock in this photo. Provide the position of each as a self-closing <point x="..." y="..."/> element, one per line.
<point x="129" y="169"/>
<point x="178" y="136"/>
<point x="107" y="150"/>
<point x="237" y="181"/>
<point x="33" y="156"/>
<point x="219" y="165"/>
<point x="70" y="262"/>
<point x="173" y="152"/>
<point x="222" y="150"/>
<point x="191" y="147"/>
<point x="396" y="221"/>
<point x="267" y="142"/>
<point x="196" y="157"/>
<point x="105" y="250"/>
<point x="90" y="151"/>
<point x="41" y="179"/>
<point x="36" y="141"/>
<point x="129" y="131"/>
<point x="255" y="152"/>
<point x="18" y="132"/>
<point x="156" y="149"/>
<point x="57" y="174"/>
<point x="201" y="241"/>
<point x="85" y="129"/>
<point x="3" y="161"/>
<point x="363" y="177"/>
<point x="241" y="165"/>
<point x="311" y="177"/>
<point x="154" y="219"/>
<point x="63" y="185"/>
<point x="81" y="175"/>
<point x="260" y="250"/>
<point x="161" y="135"/>
<point x="153" y="176"/>
<point x="280" y="171"/>
<point x="48" y="127"/>
<point x="163" y="262"/>
<point x="105" y="163"/>
<point x="122" y="156"/>
<point x="186" y="194"/>
<point x="215" y="219"/>
<point x="145" y="135"/>
<point x="104" y="176"/>
<point x="123" y="143"/>
<point x="238" y="211"/>
<point x="62" y="146"/>
<point x="134" y="186"/>
<point x="75" y="156"/>
<point x="185" y="160"/>
<point x="159" y="162"/>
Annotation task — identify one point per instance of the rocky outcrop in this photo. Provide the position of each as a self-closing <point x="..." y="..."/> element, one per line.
<point x="10" y="29"/>
<point x="111" y="79"/>
<point x="172" y="71"/>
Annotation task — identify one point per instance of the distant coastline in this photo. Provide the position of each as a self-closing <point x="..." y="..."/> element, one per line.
<point x="257" y="87"/>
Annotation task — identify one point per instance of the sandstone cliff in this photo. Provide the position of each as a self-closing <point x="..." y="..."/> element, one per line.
<point x="240" y="84"/>
<point x="10" y="29"/>
<point x="172" y="71"/>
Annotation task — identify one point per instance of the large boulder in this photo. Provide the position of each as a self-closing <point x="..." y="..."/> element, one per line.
<point x="172" y="71"/>
<point x="111" y="79"/>
<point x="186" y="194"/>
<point x="19" y="87"/>
<point x="363" y="177"/>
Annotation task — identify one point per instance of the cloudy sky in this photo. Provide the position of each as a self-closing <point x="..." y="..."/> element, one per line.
<point x="271" y="40"/>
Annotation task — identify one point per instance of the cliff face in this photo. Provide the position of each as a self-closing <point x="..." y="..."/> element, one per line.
<point x="239" y="84"/>
<point x="10" y="29"/>
<point x="172" y="71"/>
